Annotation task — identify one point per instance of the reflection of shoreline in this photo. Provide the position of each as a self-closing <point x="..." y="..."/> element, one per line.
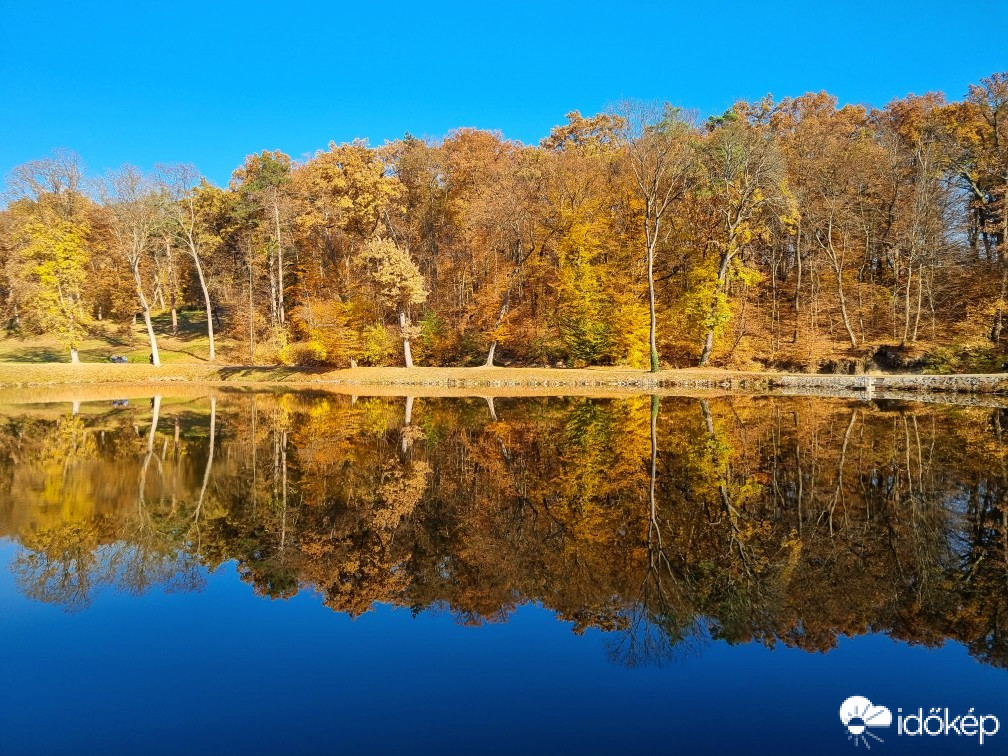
<point x="789" y="521"/>
<point x="59" y="397"/>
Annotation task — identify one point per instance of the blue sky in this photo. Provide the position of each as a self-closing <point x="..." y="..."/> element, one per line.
<point x="209" y="82"/>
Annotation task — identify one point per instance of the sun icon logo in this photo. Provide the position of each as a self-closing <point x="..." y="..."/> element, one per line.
<point x="858" y="714"/>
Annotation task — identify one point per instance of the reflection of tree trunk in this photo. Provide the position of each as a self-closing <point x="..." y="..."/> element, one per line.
<point x="155" y="415"/>
<point x="722" y="489"/>
<point x="210" y="459"/>
<point x="654" y="469"/>
<point x="408" y="418"/>
<point x="175" y="464"/>
<point x="255" y="448"/>
<point x="490" y="406"/>
<point x="283" y="463"/>
<point x="838" y="489"/>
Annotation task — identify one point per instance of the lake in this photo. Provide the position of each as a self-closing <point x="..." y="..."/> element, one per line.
<point x="239" y="572"/>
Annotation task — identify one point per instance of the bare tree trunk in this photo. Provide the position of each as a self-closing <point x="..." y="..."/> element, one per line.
<point x="407" y="353"/>
<point x="708" y="346"/>
<point x="172" y="285"/>
<point x="206" y="303"/>
<point x="500" y="319"/>
<point x="998" y="315"/>
<point x="906" y="303"/>
<point x="74" y="356"/>
<point x="274" y="315"/>
<point x="155" y="356"/>
<point x="651" y="303"/>
<point x="251" y="312"/>
<point x="843" y="304"/>
<point x="920" y="299"/>
<point x="158" y="288"/>
<point x="280" y="264"/>
<point x="797" y="292"/>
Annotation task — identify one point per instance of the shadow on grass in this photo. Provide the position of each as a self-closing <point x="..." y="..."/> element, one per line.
<point x="267" y="372"/>
<point x="36" y="354"/>
<point x="191" y="325"/>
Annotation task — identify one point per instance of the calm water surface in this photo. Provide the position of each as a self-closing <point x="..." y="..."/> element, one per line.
<point x="297" y="573"/>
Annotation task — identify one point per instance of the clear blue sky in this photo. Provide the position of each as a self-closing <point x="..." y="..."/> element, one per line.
<point x="209" y="82"/>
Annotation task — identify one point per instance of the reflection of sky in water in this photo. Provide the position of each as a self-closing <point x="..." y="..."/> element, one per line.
<point x="225" y="671"/>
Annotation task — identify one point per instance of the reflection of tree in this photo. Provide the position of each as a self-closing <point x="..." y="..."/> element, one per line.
<point x="776" y="520"/>
<point x="58" y="565"/>
<point x="661" y="622"/>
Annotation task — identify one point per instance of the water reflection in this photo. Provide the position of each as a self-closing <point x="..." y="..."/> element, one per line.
<point x="670" y="523"/>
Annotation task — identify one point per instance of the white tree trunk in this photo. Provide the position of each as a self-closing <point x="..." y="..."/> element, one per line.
<point x="155" y="356"/>
<point x="206" y="303"/>
<point x="407" y="353"/>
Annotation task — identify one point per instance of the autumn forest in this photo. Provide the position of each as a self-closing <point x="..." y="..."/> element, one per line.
<point x="793" y="234"/>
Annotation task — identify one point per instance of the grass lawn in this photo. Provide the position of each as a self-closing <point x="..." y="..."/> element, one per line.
<point x="106" y="339"/>
<point x="44" y="362"/>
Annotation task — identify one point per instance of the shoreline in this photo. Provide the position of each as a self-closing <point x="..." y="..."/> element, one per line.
<point x="502" y="381"/>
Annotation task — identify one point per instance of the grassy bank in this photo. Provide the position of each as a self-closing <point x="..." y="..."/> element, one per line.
<point x="496" y="381"/>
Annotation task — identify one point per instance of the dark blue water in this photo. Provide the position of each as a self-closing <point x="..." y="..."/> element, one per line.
<point x="223" y="671"/>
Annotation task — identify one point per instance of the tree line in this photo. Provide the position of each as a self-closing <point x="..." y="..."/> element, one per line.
<point x="796" y="234"/>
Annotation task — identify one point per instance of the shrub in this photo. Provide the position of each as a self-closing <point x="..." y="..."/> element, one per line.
<point x="376" y="345"/>
<point x="303" y="354"/>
